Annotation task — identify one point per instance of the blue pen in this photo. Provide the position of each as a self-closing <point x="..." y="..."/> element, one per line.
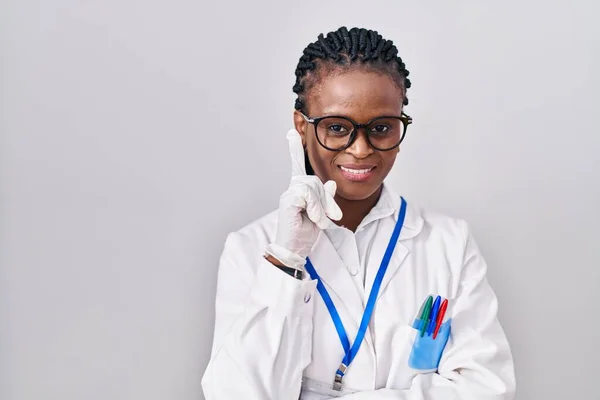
<point x="434" y="312"/>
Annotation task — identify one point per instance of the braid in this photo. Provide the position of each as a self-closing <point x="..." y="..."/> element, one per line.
<point x="344" y="48"/>
<point x="362" y="39"/>
<point x="345" y="35"/>
<point x="354" y="39"/>
<point x="330" y="53"/>
<point x="336" y="41"/>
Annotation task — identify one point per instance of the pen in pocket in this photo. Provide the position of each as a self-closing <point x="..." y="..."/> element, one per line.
<point x="425" y="314"/>
<point x="434" y="313"/>
<point x="440" y="317"/>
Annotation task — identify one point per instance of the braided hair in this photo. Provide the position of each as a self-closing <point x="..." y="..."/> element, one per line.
<point x="344" y="49"/>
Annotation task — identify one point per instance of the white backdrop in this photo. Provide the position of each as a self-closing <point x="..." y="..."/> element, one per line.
<point x="136" y="134"/>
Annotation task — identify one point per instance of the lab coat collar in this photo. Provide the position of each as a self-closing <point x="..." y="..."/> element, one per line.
<point x="335" y="274"/>
<point x="413" y="221"/>
<point x="388" y="205"/>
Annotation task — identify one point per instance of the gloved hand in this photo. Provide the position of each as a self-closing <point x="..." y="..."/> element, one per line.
<point x="304" y="209"/>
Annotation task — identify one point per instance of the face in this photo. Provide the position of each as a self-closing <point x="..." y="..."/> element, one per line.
<point x="359" y="95"/>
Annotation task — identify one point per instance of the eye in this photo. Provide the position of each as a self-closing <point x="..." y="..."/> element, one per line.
<point x="380" y="129"/>
<point x="337" y="129"/>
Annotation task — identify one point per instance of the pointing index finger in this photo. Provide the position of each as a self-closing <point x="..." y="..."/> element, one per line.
<point x="296" y="153"/>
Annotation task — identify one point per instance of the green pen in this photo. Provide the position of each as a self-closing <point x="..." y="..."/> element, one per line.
<point x="420" y="313"/>
<point x="425" y="316"/>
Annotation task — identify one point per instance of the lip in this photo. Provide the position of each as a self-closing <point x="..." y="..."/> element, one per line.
<point x="357" y="166"/>
<point x="354" y="177"/>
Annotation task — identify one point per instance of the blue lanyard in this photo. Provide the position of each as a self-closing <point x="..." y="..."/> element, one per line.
<point x="350" y="352"/>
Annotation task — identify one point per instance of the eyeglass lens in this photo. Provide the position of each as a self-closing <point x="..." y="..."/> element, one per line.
<point x="335" y="133"/>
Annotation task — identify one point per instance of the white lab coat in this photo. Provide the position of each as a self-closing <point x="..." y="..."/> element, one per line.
<point x="274" y="337"/>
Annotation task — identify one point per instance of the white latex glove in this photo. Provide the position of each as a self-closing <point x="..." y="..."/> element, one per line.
<point x="304" y="209"/>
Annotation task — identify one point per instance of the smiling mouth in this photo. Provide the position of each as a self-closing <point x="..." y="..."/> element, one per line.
<point x="356" y="171"/>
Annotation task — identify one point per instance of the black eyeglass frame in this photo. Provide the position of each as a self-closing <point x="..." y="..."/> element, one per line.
<point x="405" y="118"/>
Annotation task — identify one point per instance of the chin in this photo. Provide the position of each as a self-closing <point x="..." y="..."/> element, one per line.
<point x="356" y="191"/>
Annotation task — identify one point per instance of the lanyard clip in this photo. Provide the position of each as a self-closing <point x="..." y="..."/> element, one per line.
<point x="337" y="382"/>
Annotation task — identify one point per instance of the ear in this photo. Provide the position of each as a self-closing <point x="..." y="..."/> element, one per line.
<point x="301" y="125"/>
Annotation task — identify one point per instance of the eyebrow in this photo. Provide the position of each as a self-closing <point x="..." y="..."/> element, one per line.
<point x="379" y="115"/>
<point x="341" y="113"/>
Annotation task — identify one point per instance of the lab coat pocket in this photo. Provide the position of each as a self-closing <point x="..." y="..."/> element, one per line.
<point x="426" y="351"/>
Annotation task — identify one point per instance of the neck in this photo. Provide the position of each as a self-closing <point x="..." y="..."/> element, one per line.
<point x="354" y="211"/>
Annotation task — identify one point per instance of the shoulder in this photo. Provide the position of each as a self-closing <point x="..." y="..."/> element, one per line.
<point x="426" y="224"/>
<point x="255" y="235"/>
<point x="261" y="229"/>
<point x="447" y="238"/>
<point x="444" y="224"/>
<point x="443" y="232"/>
<point x="243" y="251"/>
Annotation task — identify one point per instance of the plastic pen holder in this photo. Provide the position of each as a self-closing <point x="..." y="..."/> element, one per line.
<point x="427" y="352"/>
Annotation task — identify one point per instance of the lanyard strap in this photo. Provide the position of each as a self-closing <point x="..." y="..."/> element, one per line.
<point x="350" y="352"/>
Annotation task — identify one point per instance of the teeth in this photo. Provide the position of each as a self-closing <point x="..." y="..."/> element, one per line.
<point x="356" y="171"/>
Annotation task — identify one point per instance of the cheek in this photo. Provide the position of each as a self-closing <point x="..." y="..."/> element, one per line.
<point x="389" y="158"/>
<point x="320" y="159"/>
<point x="386" y="162"/>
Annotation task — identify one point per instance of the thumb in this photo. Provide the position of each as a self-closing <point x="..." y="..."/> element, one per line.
<point x="332" y="210"/>
<point x="330" y="187"/>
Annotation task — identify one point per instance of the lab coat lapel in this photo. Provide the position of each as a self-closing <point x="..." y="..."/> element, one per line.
<point x="413" y="223"/>
<point x="337" y="279"/>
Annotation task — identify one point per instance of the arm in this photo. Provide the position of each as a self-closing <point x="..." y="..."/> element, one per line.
<point x="263" y="328"/>
<point x="477" y="363"/>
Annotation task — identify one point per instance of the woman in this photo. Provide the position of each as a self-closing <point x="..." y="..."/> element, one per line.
<point x="348" y="290"/>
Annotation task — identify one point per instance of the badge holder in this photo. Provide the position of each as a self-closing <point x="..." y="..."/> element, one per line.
<point x="317" y="390"/>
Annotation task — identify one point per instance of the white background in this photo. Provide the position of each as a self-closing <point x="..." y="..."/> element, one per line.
<point x="136" y="134"/>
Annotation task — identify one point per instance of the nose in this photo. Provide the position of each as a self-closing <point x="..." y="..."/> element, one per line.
<point x="360" y="148"/>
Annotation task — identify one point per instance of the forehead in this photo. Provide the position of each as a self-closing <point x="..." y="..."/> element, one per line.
<point x="358" y="94"/>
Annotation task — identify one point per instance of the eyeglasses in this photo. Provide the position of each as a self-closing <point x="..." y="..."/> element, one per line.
<point x="338" y="133"/>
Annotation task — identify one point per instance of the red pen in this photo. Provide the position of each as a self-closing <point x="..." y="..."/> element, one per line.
<point x="440" y="317"/>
